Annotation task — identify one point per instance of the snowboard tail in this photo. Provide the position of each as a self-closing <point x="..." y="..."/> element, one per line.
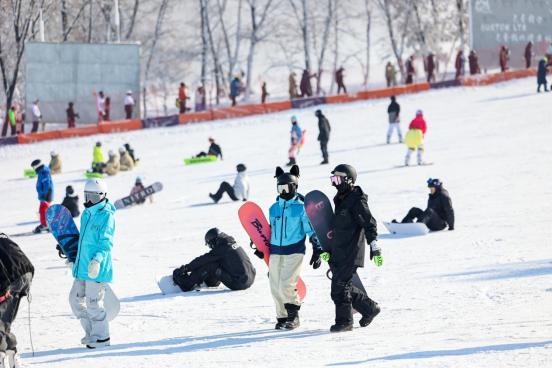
<point x="410" y="229"/>
<point x="200" y="160"/>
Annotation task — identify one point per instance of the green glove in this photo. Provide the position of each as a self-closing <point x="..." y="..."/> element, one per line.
<point x="325" y="256"/>
<point x="378" y="260"/>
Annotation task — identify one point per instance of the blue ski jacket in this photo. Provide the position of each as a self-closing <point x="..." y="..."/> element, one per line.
<point x="96" y="241"/>
<point x="235" y="87"/>
<point x="44" y="185"/>
<point x="296" y="134"/>
<point x="289" y="227"/>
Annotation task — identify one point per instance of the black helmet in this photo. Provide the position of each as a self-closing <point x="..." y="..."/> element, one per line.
<point x="318" y="113"/>
<point x="241" y="168"/>
<point x="211" y="237"/>
<point x="434" y="183"/>
<point x="347" y="171"/>
<point x="287" y="178"/>
<point x="98" y="144"/>
<point x="287" y="183"/>
<point x="69" y="190"/>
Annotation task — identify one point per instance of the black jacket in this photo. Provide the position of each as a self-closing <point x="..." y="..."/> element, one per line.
<point x="231" y="258"/>
<point x="541" y="72"/>
<point x="324" y="128"/>
<point x="354" y="226"/>
<point x="442" y="205"/>
<point x="215" y="150"/>
<point x="394" y="107"/>
<point x="13" y="263"/>
<point x="72" y="204"/>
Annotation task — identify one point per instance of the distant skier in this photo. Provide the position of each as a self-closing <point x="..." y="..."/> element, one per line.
<point x="225" y="263"/>
<point x="287" y="248"/>
<point x="98" y="163"/>
<point x="71" y="201"/>
<point x="439" y="213"/>
<point x="16" y="272"/>
<point x="414" y="138"/>
<point x="45" y="191"/>
<point x="214" y="150"/>
<point x="541" y="75"/>
<point x="324" y="130"/>
<point x="112" y="166"/>
<point x="296" y="136"/>
<point x="138" y="187"/>
<point x="93" y="268"/>
<point x="126" y="162"/>
<point x="240" y="189"/>
<point x="55" y="163"/>
<point x="354" y="226"/>
<point x="393" y="111"/>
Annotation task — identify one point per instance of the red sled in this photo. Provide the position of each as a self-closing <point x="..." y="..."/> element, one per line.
<point x="256" y="226"/>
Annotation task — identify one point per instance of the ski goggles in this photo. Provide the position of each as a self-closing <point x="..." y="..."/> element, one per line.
<point x="93" y="197"/>
<point x="336" y="179"/>
<point x="284" y="188"/>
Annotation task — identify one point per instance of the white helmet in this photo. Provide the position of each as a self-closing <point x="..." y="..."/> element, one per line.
<point x="95" y="191"/>
<point x="53" y="153"/>
<point x="122" y="150"/>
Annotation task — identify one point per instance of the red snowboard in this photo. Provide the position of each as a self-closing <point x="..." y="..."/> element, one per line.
<point x="255" y="224"/>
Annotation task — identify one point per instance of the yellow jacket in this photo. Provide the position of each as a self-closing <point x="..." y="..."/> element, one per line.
<point x="97" y="155"/>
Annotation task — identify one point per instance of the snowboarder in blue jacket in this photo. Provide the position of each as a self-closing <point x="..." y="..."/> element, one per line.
<point x="296" y="139"/>
<point x="93" y="268"/>
<point x="45" y="191"/>
<point x="289" y="226"/>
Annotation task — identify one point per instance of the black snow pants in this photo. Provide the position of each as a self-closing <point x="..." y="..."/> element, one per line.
<point x="324" y="149"/>
<point x="225" y="187"/>
<point x="211" y="274"/>
<point x="8" y="311"/>
<point x="347" y="295"/>
<point x="428" y="217"/>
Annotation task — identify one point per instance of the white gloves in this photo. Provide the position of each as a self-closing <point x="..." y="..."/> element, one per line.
<point x="93" y="269"/>
<point x="374" y="246"/>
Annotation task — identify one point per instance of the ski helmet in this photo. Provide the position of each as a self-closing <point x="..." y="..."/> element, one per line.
<point x="95" y="191"/>
<point x="98" y="144"/>
<point x="293" y="119"/>
<point x="241" y="168"/>
<point x="122" y="150"/>
<point x="138" y="180"/>
<point x="36" y="164"/>
<point x="434" y="183"/>
<point x="211" y="237"/>
<point x="110" y="153"/>
<point x="343" y="177"/>
<point x="53" y="153"/>
<point x="419" y="113"/>
<point x="69" y="190"/>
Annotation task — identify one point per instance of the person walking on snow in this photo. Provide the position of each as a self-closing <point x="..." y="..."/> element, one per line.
<point x="354" y="226"/>
<point x="129" y="104"/>
<point x="93" y="268"/>
<point x="393" y="111"/>
<point x="55" y="163"/>
<point x="71" y="115"/>
<point x="100" y="106"/>
<point x="541" y="75"/>
<point x="414" y="138"/>
<point x="240" y="190"/>
<point x="45" y="191"/>
<point x="339" y="76"/>
<point x="16" y="274"/>
<point x="324" y="129"/>
<point x="182" y="97"/>
<point x="290" y="226"/>
<point x="439" y="213"/>
<point x="225" y="263"/>
<point x="296" y="136"/>
<point x="71" y="201"/>
<point x="235" y="89"/>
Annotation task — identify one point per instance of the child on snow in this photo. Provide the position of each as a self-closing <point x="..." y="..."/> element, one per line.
<point x="240" y="190"/>
<point x="45" y="191"/>
<point x="93" y="267"/>
<point x="55" y="163"/>
<point x="290" y="226"/>
<point x="71" y="201"/>
<point x="296" y="136"/>
<point x="414" y="138"/>
<point x="138" y="187"/>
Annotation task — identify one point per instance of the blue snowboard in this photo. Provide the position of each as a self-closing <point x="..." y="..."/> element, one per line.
<point x="64" y="229"/>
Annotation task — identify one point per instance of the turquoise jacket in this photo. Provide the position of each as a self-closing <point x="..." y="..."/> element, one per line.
<point x="95" y="242"/>
<point x="290" y="226"/>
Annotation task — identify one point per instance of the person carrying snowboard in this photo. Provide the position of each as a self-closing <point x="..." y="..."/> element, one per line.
<point x="354" y="226"/>
<point x="225" y="263"/>
<point x="71" y="201"/>
<point x="324" y="129"/>
<point x="98" y="164"/>
<point x="414" y="138"/>
<point x="16" y="274"/>
<point x="93" y="268"/>
<point x="55" y="163"/>
<point x="240" y="190"/>
<point x="289" y="228"/>
<point x="439" y="212"/>
<point x="45" y="191"/>
<point x="138" y="187"/>
<point x="296" y="135"/>
<point x="214" y="150"/>
<point x="393" y="111"/>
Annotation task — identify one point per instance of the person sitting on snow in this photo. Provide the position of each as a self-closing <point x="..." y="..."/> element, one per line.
<point x="214" y="150"/>
<point x="112" y="166"/>
<point x="439" y="213"/>
<point x="98" y="164"/>
<point x="130" y="151"/>
<point x="240" y="190"/>
<point x="125" y="161"/>
<point x="71" y="201"/>
<point x="225" y="263"/>
<point x="138" y="187"/>
<point x="55" y="163"/>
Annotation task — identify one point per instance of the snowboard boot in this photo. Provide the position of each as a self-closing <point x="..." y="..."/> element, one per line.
<point x="280" y="324"/>
<point x="325" y="162"/>
<point x="214" y="197"/>
<point x="13" y="359"/>
<point x="292" y="321"/>
<point x="98" y="344"/>
<point x="394" y="221"/>
<point x="41" y="229"/>
<point x="367" y="318"/>
<point x="86" y="340"/>
<point x="291" y="161"/>
<point x="341" y="328"/>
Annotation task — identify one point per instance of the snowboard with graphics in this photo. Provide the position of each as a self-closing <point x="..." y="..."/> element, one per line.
<point x="136" y="197"/>
<point x="66" y="233"/>
<point x="256" y="225"/>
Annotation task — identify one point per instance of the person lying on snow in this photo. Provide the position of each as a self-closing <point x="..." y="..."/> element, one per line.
<point x="225" y="263"/>
<point x="439" y="213"/>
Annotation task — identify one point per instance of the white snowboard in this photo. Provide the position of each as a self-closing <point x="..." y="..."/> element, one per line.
<point x="413" y="228"/>
<point x="112" y="304"/>
<point x="167" y="285"/>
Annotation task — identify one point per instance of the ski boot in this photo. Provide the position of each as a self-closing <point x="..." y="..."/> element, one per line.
<point x="291" y="161"/>
<point x="280" y="324"/>
<point x="367" y="319"/>
<point x="325" y="162"/>
<point x="98" y="343"/>
<point x="213" y="197"/>
<point x="292" y="321"/>
<point x="41" y="229"/>
<point x="341" y="328"/>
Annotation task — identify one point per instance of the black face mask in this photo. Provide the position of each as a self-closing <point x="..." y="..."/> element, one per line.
<point x="88" y="204"/>
<point x="344" y="187"/>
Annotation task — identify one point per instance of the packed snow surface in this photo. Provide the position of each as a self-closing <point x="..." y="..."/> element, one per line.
<point x="479" y="296"/>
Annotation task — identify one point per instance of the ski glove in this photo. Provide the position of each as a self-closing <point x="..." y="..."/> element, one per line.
<point x="376" y="252"/>
<point x="93" y="269"/>
<point x="5" y="297"/>
<point x="315" y="259"/>
<point x="378" y="260"/>
<point x="325" y="256"/>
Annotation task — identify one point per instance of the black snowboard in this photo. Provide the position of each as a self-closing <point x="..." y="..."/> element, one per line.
<point x="321" y="215"/>
<point x="136" y="197"/>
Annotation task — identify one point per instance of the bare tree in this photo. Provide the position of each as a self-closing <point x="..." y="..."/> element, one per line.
<point x="303" y="21"/>
<point x="231" y="53"/>
<point x="330" y="11"/>
<point x="215" y="54"/>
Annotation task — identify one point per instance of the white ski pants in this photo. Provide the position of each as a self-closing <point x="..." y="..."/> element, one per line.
<point x="87" y="302"/>
<point x="283" y="273"/>
<point x="420" y="155"/>
<point x="393" y="127"/>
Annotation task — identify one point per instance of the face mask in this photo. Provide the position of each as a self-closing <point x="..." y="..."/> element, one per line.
<point x="341" y="184"/>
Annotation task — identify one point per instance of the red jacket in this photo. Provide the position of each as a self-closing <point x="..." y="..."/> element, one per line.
<point x="418" y="123"/>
